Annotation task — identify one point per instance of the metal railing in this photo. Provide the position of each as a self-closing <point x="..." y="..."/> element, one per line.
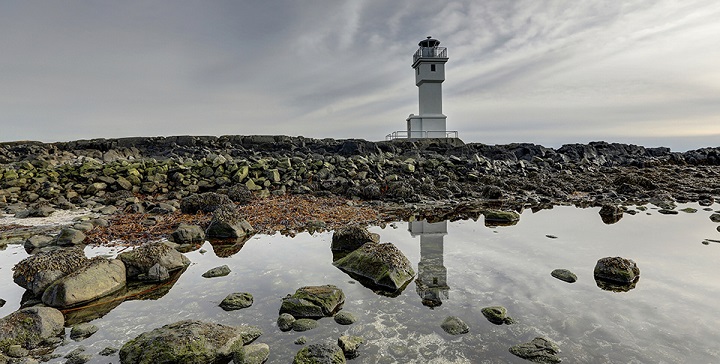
<point x="430" y="52"/>
<point x="422" y="134"/>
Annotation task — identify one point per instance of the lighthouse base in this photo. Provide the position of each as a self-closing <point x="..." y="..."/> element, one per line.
<point x="427" y="126"/>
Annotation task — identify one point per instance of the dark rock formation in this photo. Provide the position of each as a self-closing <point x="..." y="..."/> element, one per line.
<point x="313" y="302"/>
<point x="382" y="265"/>
<point x="539" y="350"/>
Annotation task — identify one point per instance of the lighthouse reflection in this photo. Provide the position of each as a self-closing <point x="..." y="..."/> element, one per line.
<point x="431" y="281"/>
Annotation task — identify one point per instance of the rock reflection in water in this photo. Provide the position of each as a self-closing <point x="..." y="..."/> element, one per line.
<point x="225" y="248"/>
<point x="615" y="286"/>
<point x="431" y="282"/>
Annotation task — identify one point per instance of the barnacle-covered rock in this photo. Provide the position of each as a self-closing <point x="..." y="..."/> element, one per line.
<point x="36" y="272"/>
<point x="140" y="260"/>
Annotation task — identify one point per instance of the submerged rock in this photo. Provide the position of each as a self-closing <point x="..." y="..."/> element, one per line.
<point x="564" y="275"/>
<point x="285" y="322"/>
<point x="454" y="326"/>
<point x="345" y="318"/>
<point x="304" y="324"/>
<point x="320" y="354"/>
<point x="37" y="272"/>
<point x="220" y="271"/>
<point x="381" y="265"/>
<point x="313" y="302"/>
<point x="82" y="331"/>
<point x="28" y="327"/>
<point x="236" y="301"/>
<point x="140" y="260"/>
<point x="497" y="315"/>
<point x="251" y="354"/>
<point x="349" y="345"/>
<point x="187" y="341"/>
<point x="539" y="350"/>
<point x="98" y="278"/>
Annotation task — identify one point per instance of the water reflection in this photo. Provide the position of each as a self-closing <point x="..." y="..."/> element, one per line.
<point x="431" y="282"/>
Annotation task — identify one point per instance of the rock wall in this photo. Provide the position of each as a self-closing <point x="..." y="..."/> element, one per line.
<point x="118" y="171"/>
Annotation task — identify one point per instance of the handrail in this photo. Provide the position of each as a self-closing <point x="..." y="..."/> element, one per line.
<point x="430" y="52"/>
<point x="422" y="134"/>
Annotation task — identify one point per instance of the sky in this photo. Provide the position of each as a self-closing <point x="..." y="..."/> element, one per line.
<point x="548" y="72"/>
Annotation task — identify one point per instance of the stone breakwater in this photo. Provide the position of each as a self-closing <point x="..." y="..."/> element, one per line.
<point x="125" y="172"/>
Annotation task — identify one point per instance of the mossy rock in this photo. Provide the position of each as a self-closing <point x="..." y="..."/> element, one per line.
<point x="383" y="265"/>
<point x="320" y="354"/>
<point x="313" y="302"/>
<point x="501" y="218"/>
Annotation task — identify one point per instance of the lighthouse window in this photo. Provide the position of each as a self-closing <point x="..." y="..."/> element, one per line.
<point x="432" y="68"/>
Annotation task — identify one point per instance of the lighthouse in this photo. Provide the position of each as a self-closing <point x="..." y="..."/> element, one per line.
<point x="431" y="282"/>
<point x="429" y="66"/>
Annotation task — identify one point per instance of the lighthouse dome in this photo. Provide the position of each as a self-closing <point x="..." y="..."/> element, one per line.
<point x="429" y="42"/>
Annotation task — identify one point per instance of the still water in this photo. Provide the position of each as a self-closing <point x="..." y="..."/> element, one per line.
<point x="671" y="316"/>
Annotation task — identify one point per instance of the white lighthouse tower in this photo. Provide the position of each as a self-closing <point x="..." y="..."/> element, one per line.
<point x="429" y="65"/>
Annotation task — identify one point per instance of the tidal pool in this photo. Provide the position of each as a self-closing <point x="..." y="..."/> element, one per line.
<point x="671" y="316"/>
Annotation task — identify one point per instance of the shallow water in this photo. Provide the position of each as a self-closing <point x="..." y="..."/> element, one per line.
<point x="671" y="316"/>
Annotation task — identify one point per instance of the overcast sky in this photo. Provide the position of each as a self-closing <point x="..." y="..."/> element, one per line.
<point x="545" y="72"/>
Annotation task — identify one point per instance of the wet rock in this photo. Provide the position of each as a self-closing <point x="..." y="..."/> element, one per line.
<point x="29" y="327"/>
<point x="497" y="315"/>
<point x="227" y="223"/>
<point x="304" y="324"/>
<point x="539" y="350"/>
<point x="240" y="194"/>
<point x="454" y="326"/>
<point x="2" y="302"/>
<point x="564" y="275"/>
<point x="204" y="202"/>
<point x="140" y="260"/>
<point x="381" y="265"/>
<point x="108" y="351"/>
<point x="41" y="210"/>
<point x="349" y="238"/>
<point x="37" y="242"/>
<point x="616" y="269"/>
<point x="345" y="318"/>
<point x="82" y="331"/>
<point x="186" y="234"/>
<point x="251" y="354"/>
<point x="156" y="273"/>
<point x="313" y="302"/>
<point x="220" y="271"/>
<point x="285" y="322"/>
<point x="99" y="277"/>
<point x="302" y="340"/>
<point x="667" y="212"/>
<point x="611" y="214"/>
<point x="17" y="351"/>
<point x="501" y="218"/>
<point x="689" y="210"/>
<point x="320" y="354"/>
<point x="715" y="217"/>
<point x="69" y="237"/>
<point x="37" y="272"/>
<point x="349" y="345"/>
<point x="236" y="301"/>
<point x="187" y="341"/>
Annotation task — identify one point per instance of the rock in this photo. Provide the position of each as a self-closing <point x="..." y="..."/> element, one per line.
<point x="382" y="265"/>
<point x="37" y="272"/>
<point x="345" y="318"/>
<point x="313" y="302"/>
<point x="320" y="354"/>
<point x="715" y="217"/>
<point x="140" y="260"/>
<point x="41" y="210"/>
<point x="236" y="301"/>
<point x="2" y="302"/>
<point x="667" y="212"/>
<point x="156" y="273"/>
<point x="285" y="322"/>
<point x="37" y="242"/>
<point x="82" y="331"/>
<point x="304" y="324"/>
<point x="99" y="277"/>
<point x="204" y="202"/>
<point x="240" y="194"/>
<point x="302" y="340"/>
<point x="227" y="223"/>
<point x="186" y="234"/>
<point x="220" y="271"/>
<point x="29" y="327"/>
<point x="564" y="275"/>
<point x="539" y="350"/>
<point x="616" y="269"/>
<point x="17" y="351"/>
<point x="251" y="354"/>
<point x="187" y="341"/>
<point x="454" y="326"/>
<point x="108" y="351"/>
<point x="108" y="210"/>
<point x="349" y="345"/>
<point x="69" y="237"/>
<point x="689" y="210"/>
<point x="611" y="214"/>
<point x="497" y="315"/>
<point x="501" y="218"/>
<point x="349" y="238"/>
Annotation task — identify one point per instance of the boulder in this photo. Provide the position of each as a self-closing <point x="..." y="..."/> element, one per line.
<point x="29" y="327"/>
<point x="320" y="354"/>
<point x="220" y="271"/>
<point x="313" y="302"/>
<point x="715" y="217"/>
<point x="454" y="326"/>
<point x="539" y="350"/>
<point x="240" y="194"/>
<point x="204" y="202"/>
<point x="381" y="265"/>
<point x="564" y="275"/>
<point x="69" y="237"/>
<point x="611" y="214"/>
<point x="251" y="354"/>
<point x="36" y="272"/>
<point x="304" y="324"/>
<point x="285" y="322"/>
<point x="82" y="331"/>
<point x="186" y="234"/>
<point x="349" y="238"/>
<point x="140" y="260"/>
<point x="349" y="345"/>
<point x="344" y="318"/>
<point x="236" y="301"/>
<point x="188" y="341"/>
<point x="497" y="315"/>
<point x="37" y="242"/>
<point x="227" y="223"/>
<point x="99" y="277"/>
<point x="616" y="269"/>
